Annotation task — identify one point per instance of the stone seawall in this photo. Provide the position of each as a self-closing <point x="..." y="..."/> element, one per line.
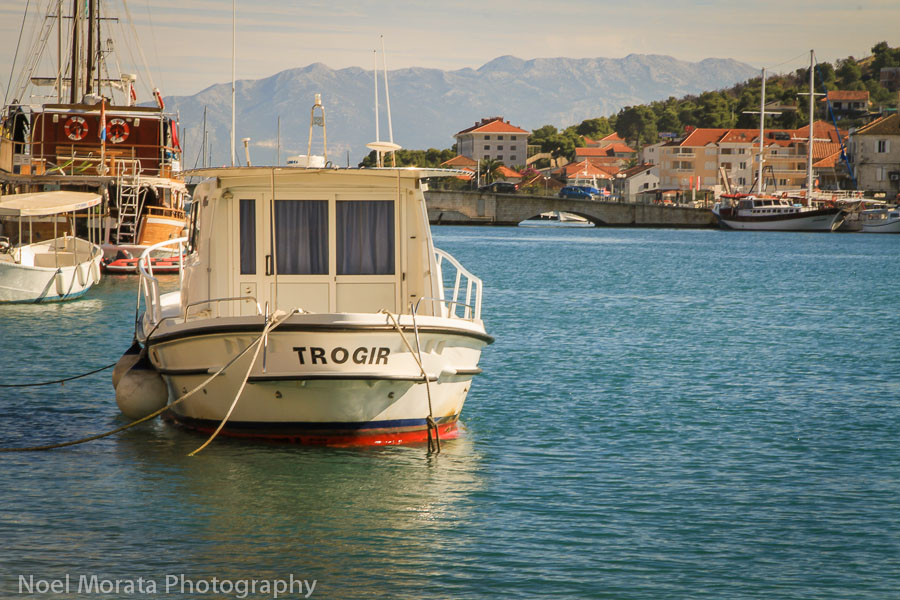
<point x="474" y="208"/>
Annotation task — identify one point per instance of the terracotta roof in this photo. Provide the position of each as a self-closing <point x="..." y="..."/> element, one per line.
<point x="635" y="170"/>
<point x="610" y="150"/>
<point x="613" y="137"/>
<point x="882" y="126"/>
<point x="586" y="168"/>
<point x="822" y="130"/>
<point x="829" y="160"/>
<point x="506" y="172"/>
<point x="460" y="161"/>
<point x="848" y="96"/>
<point x="492" y="125"/>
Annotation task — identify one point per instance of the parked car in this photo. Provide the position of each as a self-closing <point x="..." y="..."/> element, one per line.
<point x="575" y="193"/>
<point x="590" y="190"/>
<point x="500" y="187"/>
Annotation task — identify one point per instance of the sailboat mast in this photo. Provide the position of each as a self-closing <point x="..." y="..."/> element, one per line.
<point x="76" y="63"/>
<point x="809" y="158"/>
<point x="89" y="78"/>
<point x="59" y="63"/>
<point x="233" y="35"/>
<point x="762" y="124"/>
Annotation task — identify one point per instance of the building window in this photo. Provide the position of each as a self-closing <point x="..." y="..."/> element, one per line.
<point x="499" y="137"/>
<point x="512" y="137"/>
<point x="882" y="146"/>
<point x="880" y="173"/>
<point x="513" y="157"/>
<point x="487" y="146"/>
<point x="487" y="137"/>
<point x="499" y="147"/>
<point x="743" y="165"/>
<point x="513" y="147"/>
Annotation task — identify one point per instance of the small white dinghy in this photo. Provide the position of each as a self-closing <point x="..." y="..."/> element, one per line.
<point x="61" y="268"/>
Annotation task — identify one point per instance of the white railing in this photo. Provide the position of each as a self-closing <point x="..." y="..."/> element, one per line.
<point x="471" y="303"/>
<point x="149" y="285"/>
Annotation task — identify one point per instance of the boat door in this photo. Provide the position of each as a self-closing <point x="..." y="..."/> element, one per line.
<point x="317" y="251"/>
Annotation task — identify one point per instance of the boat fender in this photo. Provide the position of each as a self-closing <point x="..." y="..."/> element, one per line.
<point x="81" y="272"/>
<point x="60" y="282"/>
<point x="141" y="390"/>
<point x="127" y="361"/>
<point x="95" y="271"/>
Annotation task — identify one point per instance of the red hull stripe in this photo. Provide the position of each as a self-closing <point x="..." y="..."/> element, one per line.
<point x="326" y="434"/>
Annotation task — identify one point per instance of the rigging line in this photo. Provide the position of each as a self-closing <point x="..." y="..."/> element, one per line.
<point x="158" y="63"/>
<point x="137" y="43"/>
<point x="798" y="57"/>
<point x="16" y="56"/>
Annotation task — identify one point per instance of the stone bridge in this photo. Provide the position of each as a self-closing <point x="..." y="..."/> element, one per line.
<point x="475" y="208"/>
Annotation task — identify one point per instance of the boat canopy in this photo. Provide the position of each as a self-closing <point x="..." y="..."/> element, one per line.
<point x="41" y="204"/>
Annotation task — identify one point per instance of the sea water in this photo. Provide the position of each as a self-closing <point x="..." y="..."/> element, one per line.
<point x="664" y="414"/>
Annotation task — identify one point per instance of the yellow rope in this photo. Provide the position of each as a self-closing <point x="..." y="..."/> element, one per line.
<point x="259" y="344"/>
<point x="429" y="421"/>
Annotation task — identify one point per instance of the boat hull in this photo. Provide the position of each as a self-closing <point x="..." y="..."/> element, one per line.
<point x="319" y="382"/>
<point x="30" y="284"/>
<point x="812" y="220"/>
<point x="887" y="226"/>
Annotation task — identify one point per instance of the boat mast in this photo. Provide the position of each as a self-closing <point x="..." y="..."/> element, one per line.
<point x="76" y="30"/>
<point x="387" y="99"/>
<point x="762" y="124"/>
<point x="59" y="63"/>
<point x="809" y="158"/>
<point x="232" y="78"/>
<point x="89" y="79"/>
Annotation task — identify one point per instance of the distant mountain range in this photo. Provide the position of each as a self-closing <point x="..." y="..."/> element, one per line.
<point x="430" y="105"/>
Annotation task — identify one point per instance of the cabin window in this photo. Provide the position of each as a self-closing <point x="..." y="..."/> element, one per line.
<point x="301" y="237"/>
<point x="365" y="237"/>
<point x="248" y="236"/>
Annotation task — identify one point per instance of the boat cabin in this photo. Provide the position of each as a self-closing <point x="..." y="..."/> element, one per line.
<point x="320" y="240"/>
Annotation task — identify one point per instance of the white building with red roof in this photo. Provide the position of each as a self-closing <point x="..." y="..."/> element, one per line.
<point x="496" y="139"/>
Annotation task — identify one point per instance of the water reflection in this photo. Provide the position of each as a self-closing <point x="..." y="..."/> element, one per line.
<point x="336" y="515"/>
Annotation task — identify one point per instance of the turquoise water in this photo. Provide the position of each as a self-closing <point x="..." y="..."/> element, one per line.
<point x="665" y="414"/>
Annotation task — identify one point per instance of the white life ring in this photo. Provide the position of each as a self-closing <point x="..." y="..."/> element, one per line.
<point x="76" y="128"/>
<point x="117" y="131"/>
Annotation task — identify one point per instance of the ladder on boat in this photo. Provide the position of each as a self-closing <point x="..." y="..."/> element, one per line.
<point x="128" y="201"/>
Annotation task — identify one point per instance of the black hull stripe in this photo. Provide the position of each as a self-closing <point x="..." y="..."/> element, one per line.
<point x="294" y="327"/>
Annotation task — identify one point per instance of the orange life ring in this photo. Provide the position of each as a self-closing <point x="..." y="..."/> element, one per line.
<point x="117" y="131"/>
<point x="76" y="128"/>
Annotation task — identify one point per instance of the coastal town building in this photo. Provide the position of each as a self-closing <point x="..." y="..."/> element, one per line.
<point x="875" y="156"/>
<point x="614" y="154"/>
<point x="703" y="157"/>
<point x="846" y="104"/>
<point x="637" y="184"/>
<point x="495" y="139"/>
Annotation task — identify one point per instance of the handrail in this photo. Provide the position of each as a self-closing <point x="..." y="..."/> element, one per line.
<point x="149" y="284"/>
<point x="228" y="299"/>
<point x="472" y="302"/>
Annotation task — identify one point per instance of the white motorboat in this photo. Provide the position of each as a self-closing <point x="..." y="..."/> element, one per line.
<point x="61" y="268"/>
<point x="881" y="220"/>
<point x="555" y="218"/>
<point x="766" y="213"/>
<point x="329" y="280"/>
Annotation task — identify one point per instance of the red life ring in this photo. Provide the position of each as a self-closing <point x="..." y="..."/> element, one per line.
<point x="76" y="128"/>
<point x="117" y="131"/>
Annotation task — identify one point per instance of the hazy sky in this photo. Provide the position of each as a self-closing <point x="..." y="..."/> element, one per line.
<point x="188" y="42"/>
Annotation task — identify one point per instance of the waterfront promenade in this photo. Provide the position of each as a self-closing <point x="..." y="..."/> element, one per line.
<point x="476" y="208"/>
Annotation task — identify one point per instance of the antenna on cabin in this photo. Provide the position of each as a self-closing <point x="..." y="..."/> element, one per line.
<point x="246" y="142"/>
<point x="319" y="121"/>
<point x="381" y="148"/>
<point x="233" y="36"/>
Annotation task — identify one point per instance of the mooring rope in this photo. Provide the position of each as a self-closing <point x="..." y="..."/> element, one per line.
<point x="19" y="385"/>
<point x="433" y="445"/>
<point x="142" y="419"/>
<point x="259" y="344"/>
